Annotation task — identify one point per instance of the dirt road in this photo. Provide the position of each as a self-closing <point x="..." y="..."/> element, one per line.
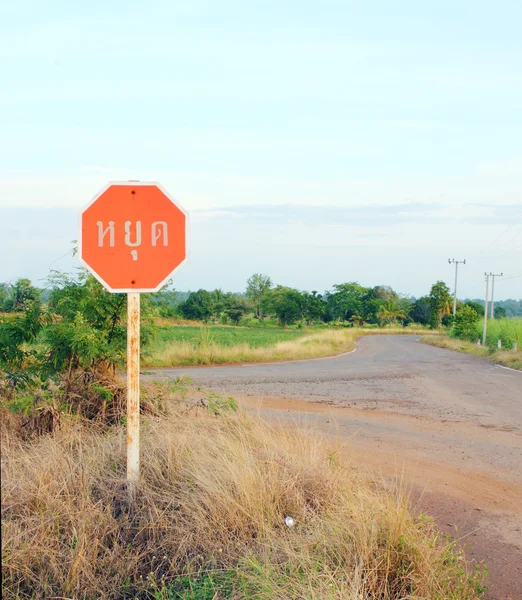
<point x="448" y="423"/>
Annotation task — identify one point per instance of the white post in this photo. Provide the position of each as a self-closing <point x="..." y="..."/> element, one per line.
<point x="485" y="312"/>
<point x="499" y="344"/>
<point x="133" y="391"/>
<point x="455" y="291"/>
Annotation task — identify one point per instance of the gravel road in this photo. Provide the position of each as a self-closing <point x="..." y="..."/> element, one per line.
<point x="452" y="423"/>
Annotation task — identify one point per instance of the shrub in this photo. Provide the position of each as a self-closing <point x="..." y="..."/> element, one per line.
<point x="464" y="323"/>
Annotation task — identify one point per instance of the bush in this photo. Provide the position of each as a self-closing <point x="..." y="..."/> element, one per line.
<point x="464" y="323"/>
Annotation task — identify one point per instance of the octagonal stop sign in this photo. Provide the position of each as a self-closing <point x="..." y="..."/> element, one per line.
<point x="133" y="237"/>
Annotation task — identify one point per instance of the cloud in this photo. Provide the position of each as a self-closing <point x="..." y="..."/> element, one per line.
<point x="367" y="214"/>
<point x="310" y="247"/>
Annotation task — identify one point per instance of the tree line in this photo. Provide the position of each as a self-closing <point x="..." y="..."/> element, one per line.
<point x="262" y="302"/>
<point x="349" y="303"/>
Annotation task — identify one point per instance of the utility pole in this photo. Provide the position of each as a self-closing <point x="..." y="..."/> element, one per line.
<point x="463" y="262"/>
<point x="486" y="310"/>
<point x="493" y="293"/>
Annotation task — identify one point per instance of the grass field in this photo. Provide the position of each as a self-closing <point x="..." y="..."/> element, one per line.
<point x="225" y="336"/>
<point x="507" y="331"/>
<point x="208" y="521"/>
<point x="204" y="347"/>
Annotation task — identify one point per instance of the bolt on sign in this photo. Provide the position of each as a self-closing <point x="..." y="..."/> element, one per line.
<point x="132" y="238"/>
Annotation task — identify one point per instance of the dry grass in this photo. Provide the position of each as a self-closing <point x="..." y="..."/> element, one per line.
<point x="324" y="343"/>
<point x="214" y="494"/>
<point x="508" y="358"/>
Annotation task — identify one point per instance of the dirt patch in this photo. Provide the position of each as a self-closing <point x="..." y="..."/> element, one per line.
<point x="481" y="510"/>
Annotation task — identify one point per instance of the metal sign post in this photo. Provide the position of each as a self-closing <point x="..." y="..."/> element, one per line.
<point x="132" y="238"/>
<point x="133" y="391"/>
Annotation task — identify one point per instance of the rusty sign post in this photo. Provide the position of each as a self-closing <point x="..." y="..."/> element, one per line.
<point x="132" y="238"/>
<point x="133" y="390"/>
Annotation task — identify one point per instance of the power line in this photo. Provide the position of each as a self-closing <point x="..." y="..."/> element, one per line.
<point x="512" y="277"/>
<point x="518" y="218"/>
<point x="499" y="249"/>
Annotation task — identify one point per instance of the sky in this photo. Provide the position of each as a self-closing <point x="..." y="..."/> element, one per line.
<point x="315" y="142"/>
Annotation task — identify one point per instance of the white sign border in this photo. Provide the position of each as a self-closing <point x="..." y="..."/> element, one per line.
<point x="133" y="183"/>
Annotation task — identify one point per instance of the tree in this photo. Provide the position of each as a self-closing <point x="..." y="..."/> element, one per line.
<point x="22" y="293"/>
<point x="500" y="312"/>
<point x="314" y="306"/>
<point x="390" y="312"/>
<point x="5" y="293"/>
<point x="235" y="308"/>
<point x="257" y="286"/>
<point x="478" y="308"/>
<point x="440" y="300"/>
<point x="167" y="303"/>
<point x="287" y="304"/>
<point x="198" y="306"/>
<point x="356" y="320"/>
<point x="421" y="310"/>
<point x="345" y="301"/>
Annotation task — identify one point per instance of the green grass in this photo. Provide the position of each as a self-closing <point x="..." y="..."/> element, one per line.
<point x="209" y="348"/>
<point x="224" y="336"/>
<point x="507" y="331"/>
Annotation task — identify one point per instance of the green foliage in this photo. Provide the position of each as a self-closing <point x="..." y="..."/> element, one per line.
<point x="236" y="308"/>
<point x="512" y="307"/>
<point x="18" y="354"/>
<point x="314" y="307"/>
<point x="440" y="300"/>
<point x="257" y="286"/>
<point x="207" y="585"/>
<point x="18" y="297"/>
<point x="421" y="310"/>
<point x="214" y="306"/>
<point x="345" y="301"/>
<point x="464" y="323"/>
<point x="218" y="404"/>
<point x="198" y="306"/>
<point x="82" y="326"/>
<point x="390" y="312"/>
<point x="500" y="312"/>
<point x="5" y="293"/>
<point x="508" y="331"/>
<point x="167" y="302"/>
<point x="478" y="308"/>
<point x="287" y="304"/>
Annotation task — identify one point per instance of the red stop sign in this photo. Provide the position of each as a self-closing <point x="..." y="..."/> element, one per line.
<point x="133" y="237"/>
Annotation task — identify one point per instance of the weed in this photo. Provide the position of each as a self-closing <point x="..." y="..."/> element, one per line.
<point x="209" y="517"/>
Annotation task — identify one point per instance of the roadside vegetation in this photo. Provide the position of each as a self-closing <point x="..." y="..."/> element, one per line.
<point x="40" y="329"/>
<point x="304" y="344"/>
<point x="209" y="517"/>
<point x="508" y="331"/>
<point x="507" y="358"/>
<point x="466" y="335"/>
